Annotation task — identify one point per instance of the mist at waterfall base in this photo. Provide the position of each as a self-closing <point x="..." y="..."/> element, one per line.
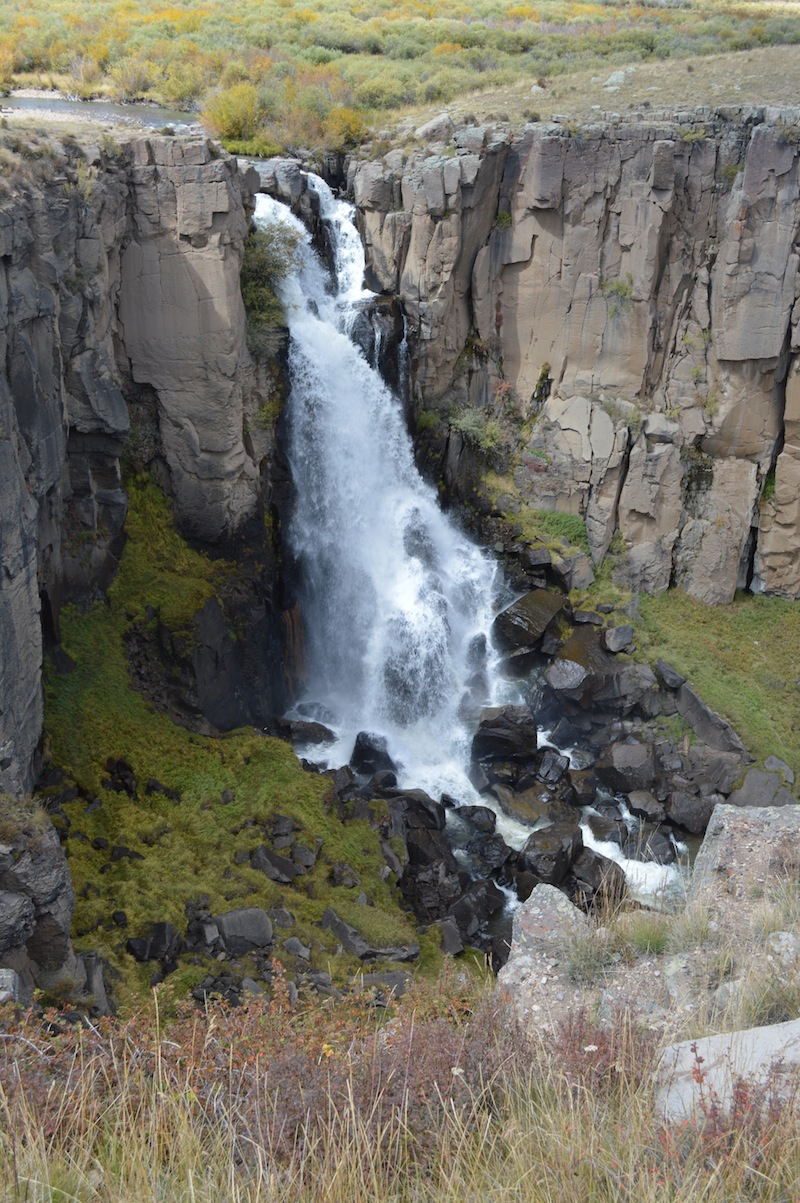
<point x="397" y="602"/>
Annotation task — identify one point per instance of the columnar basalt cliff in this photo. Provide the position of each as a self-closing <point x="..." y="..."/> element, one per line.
<point x="622" y="297"/>
<point x="122" y="328"/>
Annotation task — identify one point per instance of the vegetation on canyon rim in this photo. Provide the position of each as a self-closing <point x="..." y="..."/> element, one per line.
<point x="280" y="74"/>
<point x="437" y="1099"/>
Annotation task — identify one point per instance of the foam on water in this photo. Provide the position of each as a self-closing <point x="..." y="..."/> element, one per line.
<point x="397" y="601"/>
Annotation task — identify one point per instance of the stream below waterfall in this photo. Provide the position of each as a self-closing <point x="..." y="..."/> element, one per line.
<point x="397" y="602"/>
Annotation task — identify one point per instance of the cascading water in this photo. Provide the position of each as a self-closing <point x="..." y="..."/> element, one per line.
<point x="397" y="601"/>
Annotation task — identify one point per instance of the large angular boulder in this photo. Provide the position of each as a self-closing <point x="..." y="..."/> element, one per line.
<point x="248" y="929"/>
<point x="550" y="852"/>
<point x="505" y="733"/>
<point x="624" y="767"/>
<point x="522" y="624"/>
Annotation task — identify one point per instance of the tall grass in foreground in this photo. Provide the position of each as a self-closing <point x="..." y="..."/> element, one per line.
<point x="442" y="1099"/>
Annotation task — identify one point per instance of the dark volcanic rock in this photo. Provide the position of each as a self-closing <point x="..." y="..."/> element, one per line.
<point x="162" y="942"/>
<point x="489" y="852"/>
<point x="353" y="942"/>
<point x="762" y="789"/>
<point x="303" y="731"/>
<point x="428" y="847"/>
<point x="524" y="622"/>
<point x="505" y="733"/>
<point x="416" y="808"/>
<point x="475" y="906"/>
<point x="689" y="811"/>
<point x="612" y="831"/>
<point x="642" y="803"/>
<point x="371" y="755"/>
<point x="550" y="852"/>
<point x="273" y="866"/>
<point x="540" y="801"/>
<point x="706" y="723"/>
<point x="480" y="817"/>
<point x="624" y="767"/>
<point x="244" y="930"/>
<point x="617" y="639"/>
<point x="599" y="874"/>
<point x="669" y="677"/>
<point x="650" y="844"/>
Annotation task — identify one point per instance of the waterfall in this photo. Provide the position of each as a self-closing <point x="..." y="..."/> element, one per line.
<point x="397" y="601"/>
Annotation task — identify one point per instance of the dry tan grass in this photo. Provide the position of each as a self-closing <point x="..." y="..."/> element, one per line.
<point x="767" y="76"/>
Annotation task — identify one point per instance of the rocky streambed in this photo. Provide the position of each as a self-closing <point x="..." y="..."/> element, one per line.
<point x="646" y="764"/>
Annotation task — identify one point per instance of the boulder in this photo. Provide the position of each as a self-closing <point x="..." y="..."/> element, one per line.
<point x="488" y="852"/>
<point x="706" y="723"/>
<point x="694" y="1071"/>
<point x="477" y="904"/>
<point x="415" y="808"/>
<point x="762" y="789"/>
<point x="245" y="930"/>
<point x="669" y="677"/>
<point x="480" y="817"/>
<point x="617" y="639"/>
<point x="623" y="767"/>
<point x="690" y="811"/>
<point x="371" y="755"/>
<point x="354" y="943"/>
<point x="550" y="852"/>
<point x="522" y="624"/>
<point x="273" y="866"/>
<point x="160" y="943"/>
<point x="599" y="875"/>
<point x="645" y="806"/>
<point x="650" y="844"/>
<point x="505" y="733"/>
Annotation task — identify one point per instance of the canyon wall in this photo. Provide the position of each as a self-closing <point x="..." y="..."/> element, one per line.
<point x="122" y="330"/>
<point x="622" y="300"/>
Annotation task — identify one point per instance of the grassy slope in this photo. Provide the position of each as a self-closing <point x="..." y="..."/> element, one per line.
<point x="743" y="659"/>
<point x="188" y="848"/>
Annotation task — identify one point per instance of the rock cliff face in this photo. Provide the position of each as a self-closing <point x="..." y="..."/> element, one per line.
<point x="121" y="327"/>
<point x="622" y="298"/>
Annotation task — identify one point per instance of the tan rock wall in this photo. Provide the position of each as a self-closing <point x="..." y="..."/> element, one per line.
<point x="650" y="269"/>
<point x="133" y="273"/>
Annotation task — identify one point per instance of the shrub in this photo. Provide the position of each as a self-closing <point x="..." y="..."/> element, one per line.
<point x="482" y="432"/>
<point x="234" y="113"/>
<point x="344" y="128"/>
<point x="769" y="486"/>
<point x="131" y="78"/>
<point x="555" y="525"/>
<point x="269" y="256"/>
<point x="618" y="294"/>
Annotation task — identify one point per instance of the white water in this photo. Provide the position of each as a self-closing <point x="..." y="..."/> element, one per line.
<point x="397" y="601"/>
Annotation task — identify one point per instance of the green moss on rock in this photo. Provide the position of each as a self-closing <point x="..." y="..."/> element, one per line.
<point x="229" y="787"/>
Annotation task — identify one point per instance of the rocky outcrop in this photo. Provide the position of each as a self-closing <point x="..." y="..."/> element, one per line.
<point x="122" y="329"/>
<point x="182" y="325"/>
<point x="36" y="905"/>
<point x="621" y="298"/>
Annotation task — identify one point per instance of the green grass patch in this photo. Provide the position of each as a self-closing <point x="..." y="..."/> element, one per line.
<point x="189" y="848"/>
<point x="560" y="532"/>
<point x="742" y="659"/>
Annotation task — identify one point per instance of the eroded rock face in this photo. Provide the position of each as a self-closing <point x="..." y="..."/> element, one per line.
<point x="119" y="297"/>
<point x="182" y="324"/>
<point x="36" y="905"/>
<point x="632" y="288"/>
